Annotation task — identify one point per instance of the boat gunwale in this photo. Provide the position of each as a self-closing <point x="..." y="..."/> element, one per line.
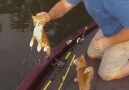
<point x="37" y="77"/>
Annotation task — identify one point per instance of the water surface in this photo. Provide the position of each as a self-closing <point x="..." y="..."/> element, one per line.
<point x="16" y="57"/>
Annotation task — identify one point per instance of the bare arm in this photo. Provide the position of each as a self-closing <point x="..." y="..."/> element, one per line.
<point x="61" y="8"/>
<point x="104" y="42"/>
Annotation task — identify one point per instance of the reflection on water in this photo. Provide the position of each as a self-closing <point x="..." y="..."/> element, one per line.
<point x="16" y="58"/>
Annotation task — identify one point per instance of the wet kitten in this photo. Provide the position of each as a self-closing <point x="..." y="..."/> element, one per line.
<point x="84" y="73"/>
<point x="39" y="35"/>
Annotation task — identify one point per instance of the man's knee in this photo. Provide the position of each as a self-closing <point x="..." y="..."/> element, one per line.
<point x="105" y="76"/>
<point x="92" y="56"/>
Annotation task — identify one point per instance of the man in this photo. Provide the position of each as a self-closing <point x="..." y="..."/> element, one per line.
<point x="111" y="42"/>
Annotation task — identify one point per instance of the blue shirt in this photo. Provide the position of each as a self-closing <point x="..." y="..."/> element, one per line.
<point x="110" y="15"/>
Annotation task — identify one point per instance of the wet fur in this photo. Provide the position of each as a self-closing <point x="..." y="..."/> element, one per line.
<point x="39" y="35"/>
<point x="84" y="73"/>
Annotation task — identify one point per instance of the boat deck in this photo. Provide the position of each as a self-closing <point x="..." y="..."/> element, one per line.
<point x="48" y="74"/>
<point x="69" y="84"/>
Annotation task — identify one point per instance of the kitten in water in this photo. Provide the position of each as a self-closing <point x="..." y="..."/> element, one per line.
<point x="84" y="73"/>
<point x="39" y="35"/>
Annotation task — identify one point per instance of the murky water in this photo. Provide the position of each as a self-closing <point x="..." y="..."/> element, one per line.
<point x="16" y="57"/>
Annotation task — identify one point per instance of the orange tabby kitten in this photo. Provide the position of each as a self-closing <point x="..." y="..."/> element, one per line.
<point x="84" y="73"/>
<point x="40" y="35"/>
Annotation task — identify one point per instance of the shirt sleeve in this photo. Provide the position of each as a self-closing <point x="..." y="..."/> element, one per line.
<point x="74" y="2"/>
<point x="119" y="9"/>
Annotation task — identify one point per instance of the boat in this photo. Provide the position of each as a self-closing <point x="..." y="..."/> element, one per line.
<point x="49" y="72"/>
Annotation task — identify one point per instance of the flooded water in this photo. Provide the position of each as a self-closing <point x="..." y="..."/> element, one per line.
<point x="16" y="57"/>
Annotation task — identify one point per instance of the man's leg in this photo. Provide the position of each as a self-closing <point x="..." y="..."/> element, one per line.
<point x="124" y="71"/>
<point x="115" y="64"/>
<point x="92" y="52"/>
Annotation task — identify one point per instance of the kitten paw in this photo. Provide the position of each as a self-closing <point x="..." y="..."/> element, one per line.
<point x="75" y="80"/>
<point x="39" y="48"/>
<point x="74" y="61"/>
<point x="46" y="48"/>
<point x="88" y="69"/>
<point x="31" y="43"/>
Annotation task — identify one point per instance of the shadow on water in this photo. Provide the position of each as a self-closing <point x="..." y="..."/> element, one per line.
<point x="16" y="57"/>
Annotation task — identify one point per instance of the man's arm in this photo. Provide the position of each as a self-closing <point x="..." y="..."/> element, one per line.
<point x="121" y="15"/>
<point x="120" y="37"/>
<point x="61" y="8"/>
<point x="104" y="42"/>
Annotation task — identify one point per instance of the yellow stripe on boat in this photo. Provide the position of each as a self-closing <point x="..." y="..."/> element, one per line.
<point x="47" y="85"/>
<point x="64" y="77"/>
<point x="68" y="55"/>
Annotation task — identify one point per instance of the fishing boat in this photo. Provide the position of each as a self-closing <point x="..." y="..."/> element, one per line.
<point x="50" y="72"/>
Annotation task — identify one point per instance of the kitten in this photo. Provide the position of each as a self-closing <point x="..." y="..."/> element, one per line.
<point x="40" y="35"/>
<point x="84" y="73"/>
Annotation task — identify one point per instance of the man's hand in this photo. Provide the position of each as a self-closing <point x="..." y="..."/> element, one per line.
<point x="44" y="15"/>
<point x="59" y="10"/>
<point x="102" y="43"/>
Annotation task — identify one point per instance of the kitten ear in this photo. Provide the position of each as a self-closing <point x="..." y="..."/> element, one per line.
<point x="76" y="68"/>
<point x="33" y="17"/>
<point x="82" y="56"/>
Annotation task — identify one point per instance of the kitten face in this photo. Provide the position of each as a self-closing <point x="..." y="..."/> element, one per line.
<point x="38" y="20"/>
<point x="80" y="62"/>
